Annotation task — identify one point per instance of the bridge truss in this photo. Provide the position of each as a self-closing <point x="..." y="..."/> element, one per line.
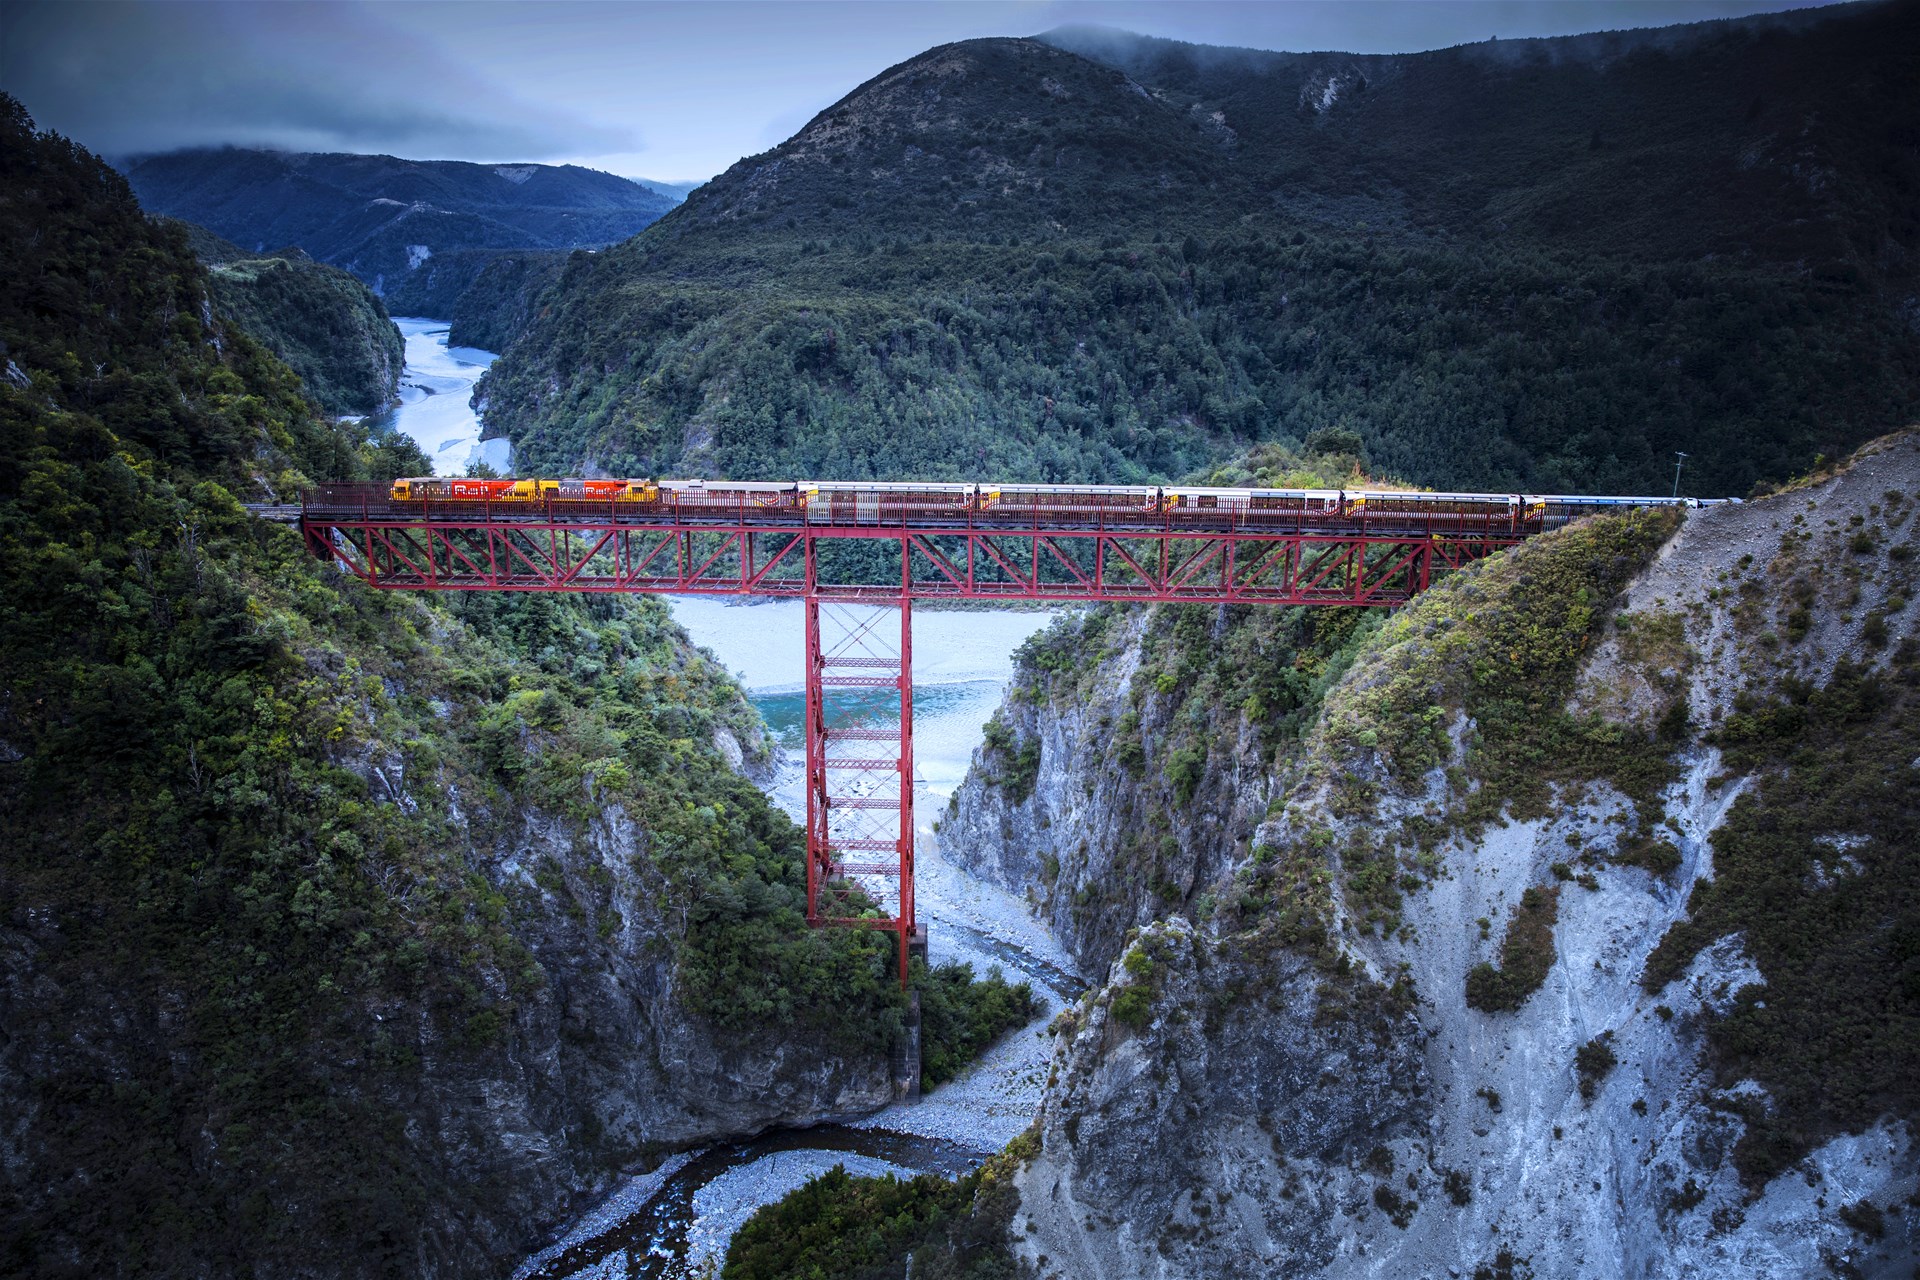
<point x="859" y="661"/>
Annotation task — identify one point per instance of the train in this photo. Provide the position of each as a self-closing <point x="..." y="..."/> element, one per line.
<point x="871" y="502"/>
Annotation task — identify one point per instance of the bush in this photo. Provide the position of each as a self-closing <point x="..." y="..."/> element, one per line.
<point x="961" y="1018"/>
<point x="1134" y="1006"/>
<point x="1526" y="955"/>
<point x="1593" y="1061"/>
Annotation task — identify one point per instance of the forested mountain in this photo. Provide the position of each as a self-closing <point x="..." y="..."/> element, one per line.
<point x="342" y="933"/>
<point x="323" y="323"/>
<point x="1547" y="265"/>
<point x="380" y="217"/>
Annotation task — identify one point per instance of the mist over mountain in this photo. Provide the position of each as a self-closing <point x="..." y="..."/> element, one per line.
<point x="381" y="217"/>
<point x="1760" y="137"/>
<point x="1546" y="268"/>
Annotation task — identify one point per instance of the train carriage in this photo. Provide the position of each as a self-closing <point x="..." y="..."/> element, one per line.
<point x="886" y="502"/>
<point x="1263" y="507"/>
<point x="1456" y="513"/>
<point x="1560" y="509"/>
<point x="1092" y="504"/>
<point x="719" y="500"/>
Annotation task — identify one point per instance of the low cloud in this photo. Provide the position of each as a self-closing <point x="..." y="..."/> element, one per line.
<point x="132" y="78"/>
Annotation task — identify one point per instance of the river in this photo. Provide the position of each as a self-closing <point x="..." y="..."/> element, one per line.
<point x="677" y="1219"/>
<point x="435" y="388"/>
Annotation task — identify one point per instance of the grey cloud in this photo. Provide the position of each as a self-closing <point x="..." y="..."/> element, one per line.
<point x="126" y="78"/>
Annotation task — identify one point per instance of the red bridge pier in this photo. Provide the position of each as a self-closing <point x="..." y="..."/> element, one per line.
<point x="859" y="763"/>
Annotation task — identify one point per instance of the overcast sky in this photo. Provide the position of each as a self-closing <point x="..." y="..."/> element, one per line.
<point x="671" y="91"/>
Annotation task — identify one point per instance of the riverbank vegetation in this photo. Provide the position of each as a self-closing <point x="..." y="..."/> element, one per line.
<point x="839" y="1227"/>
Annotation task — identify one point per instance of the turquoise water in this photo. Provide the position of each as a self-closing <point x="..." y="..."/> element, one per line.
<point x="948" y="720"/>
<point x="961" y="664"/>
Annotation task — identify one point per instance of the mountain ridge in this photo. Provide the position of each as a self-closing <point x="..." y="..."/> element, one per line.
<point x="1001" y="257"/>
<point x="381" y="216"/>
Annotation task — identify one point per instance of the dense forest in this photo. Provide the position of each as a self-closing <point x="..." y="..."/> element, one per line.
<point x="255" y="906"/>
<point x="318" y="320"/>
<point x="1546" y="266"/>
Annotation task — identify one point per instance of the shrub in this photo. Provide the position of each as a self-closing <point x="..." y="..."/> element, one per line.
<point x="1526" y="955"/>
<point x="960" y="1017"/>
<point x="1399" y="1209"/>
<point x="1593" y="1061"/>
<point x="1134" y="1006"/>
<point x="1865" y="1217"/>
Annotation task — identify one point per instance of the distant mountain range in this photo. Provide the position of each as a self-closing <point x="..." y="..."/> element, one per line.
<point x="381" y="217"/>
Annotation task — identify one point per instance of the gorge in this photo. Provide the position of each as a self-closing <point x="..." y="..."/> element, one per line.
<point x="1563" y="921"/>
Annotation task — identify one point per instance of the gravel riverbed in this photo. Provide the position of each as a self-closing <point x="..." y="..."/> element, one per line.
<point x="678" y="1219"/>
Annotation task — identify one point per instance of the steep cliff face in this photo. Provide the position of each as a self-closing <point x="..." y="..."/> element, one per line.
<point x="324" y="324"/>
<point x="1136" y="757"/>
<point x="1578" y="936"/>
<point x="418" y="1046"/>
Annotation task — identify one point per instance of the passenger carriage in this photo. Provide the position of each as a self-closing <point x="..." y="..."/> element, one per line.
<point x="1252" y="508"/>
<point x="1101" y="505"/>
<point x="717" y="501"/>
<point x="884" y="502"/>
<point x="1450" y="513"/>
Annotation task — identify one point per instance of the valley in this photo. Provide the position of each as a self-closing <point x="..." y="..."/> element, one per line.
<point x="435" y="409"/>
<point x="1553" y="914"/>
<point x="673" y="1220"/>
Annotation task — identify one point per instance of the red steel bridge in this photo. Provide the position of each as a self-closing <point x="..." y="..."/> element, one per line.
<point x="859" y="556"/>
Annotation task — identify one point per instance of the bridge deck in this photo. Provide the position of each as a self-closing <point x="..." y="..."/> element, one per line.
<point x="1191" y="555"/>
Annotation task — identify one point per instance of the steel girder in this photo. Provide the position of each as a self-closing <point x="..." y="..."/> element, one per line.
<point x="1058" y="566"/>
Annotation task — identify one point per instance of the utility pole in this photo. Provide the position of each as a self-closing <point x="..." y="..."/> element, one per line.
<point x="1680" y="460"/>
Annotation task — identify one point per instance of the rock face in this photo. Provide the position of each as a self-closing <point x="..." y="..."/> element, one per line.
<point x="1092" y="828"/>
<point x="600" y="1063"/>
<point x="1309" y="1091"/>
<point x="605" y="1060"/>
<point x="1233" y="1130"/>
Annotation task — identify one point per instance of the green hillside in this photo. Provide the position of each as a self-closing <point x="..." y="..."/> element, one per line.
<point x="321" y="322"/>
<point x="1001" y="256"/>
